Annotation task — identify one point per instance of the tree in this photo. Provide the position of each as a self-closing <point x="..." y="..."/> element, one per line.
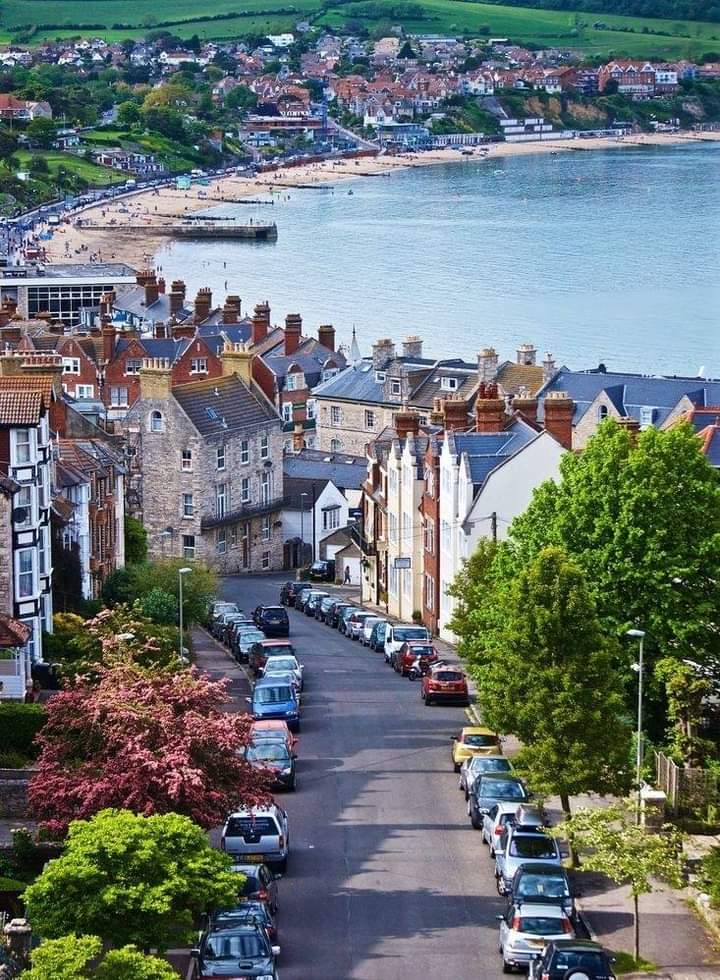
<point x="128" y="115"/>
<point x="135" y="539"/>
<point x="8" y="143"/>
<point x="39" y="166"/>
<point x="155" y="741"/>
<point x="135" y="581"/>
<point x="131" y="879"/>
<point x="79" y="958"/>
<point x="626" y="853"/>
<point x="42" y="131"/>
<point x="241" y="97"/>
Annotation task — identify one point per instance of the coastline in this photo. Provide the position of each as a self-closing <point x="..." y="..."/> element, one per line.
<point x="161" y="205"/>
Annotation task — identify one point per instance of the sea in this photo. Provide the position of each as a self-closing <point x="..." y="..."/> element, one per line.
<point x="596" y="256"/>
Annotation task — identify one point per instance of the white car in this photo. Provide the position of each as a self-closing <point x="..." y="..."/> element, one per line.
<point x="498" y="817"/>
<point x="478" y="764"/>
<point x="526" y="929"/>
<point x="368" y="628"/>
<point x="398" y="633"/>
<point x="285" y="664"/>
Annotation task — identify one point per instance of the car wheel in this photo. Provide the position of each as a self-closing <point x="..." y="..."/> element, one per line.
<point x="491" y="852"/>
<point x="293" y="785"/>
<point x="500" y="885"/>
<point x="456" y="767"/>
<point x="506" y="966"/>
<point x="476" y="824"/>
<point x="282" y="866"/>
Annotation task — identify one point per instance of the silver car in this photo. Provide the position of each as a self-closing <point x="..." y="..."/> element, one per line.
<point x="367" y="629"/>
<point x="522" y="845"/>
<point x="526" y="929"/>
<point x="257" y="834"/>
<point x="285" y="663"/>
<point x="476" y="764"/>
<point x="495" y="822"/>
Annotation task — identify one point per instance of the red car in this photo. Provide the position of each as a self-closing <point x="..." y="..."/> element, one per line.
<point x="444" y="683"/>
<point x="260" y="651"/>
<point x="408" y="654"/>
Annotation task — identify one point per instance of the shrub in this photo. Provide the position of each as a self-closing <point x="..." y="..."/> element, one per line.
<point x="19" y="724"/>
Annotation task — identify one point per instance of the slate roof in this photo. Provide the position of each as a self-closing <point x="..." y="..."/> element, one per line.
<point x="20" y="407"/>
<point x="133" y="301"/>
<point x="356" y="383"/>
<point x="630" y="392"/>
<point x="89" y="455"/>
<point x="219" y="405"/>
<point x="430" y="386"/>
<point x="485" y="451"/>
<point x="214" y="336"/>
<point x="346" y="472"/>
<point x="311" y="357"/>
<point x="711" y="444"/>
<point x="167" y="347"/>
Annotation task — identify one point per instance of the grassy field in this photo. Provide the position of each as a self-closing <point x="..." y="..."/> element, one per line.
<point x="623" y="35"/>
<point x="98" y="176"/>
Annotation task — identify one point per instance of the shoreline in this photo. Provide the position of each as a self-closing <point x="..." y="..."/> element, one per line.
<point x="162" y="205"/>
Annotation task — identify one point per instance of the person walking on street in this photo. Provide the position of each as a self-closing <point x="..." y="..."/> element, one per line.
<point x="346" y="580"/>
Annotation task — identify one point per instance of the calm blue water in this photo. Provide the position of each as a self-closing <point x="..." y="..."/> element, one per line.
<point x="594" y="256"/>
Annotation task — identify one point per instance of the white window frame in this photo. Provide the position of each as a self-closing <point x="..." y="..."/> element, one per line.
<point x="198" y="365"/>
<point x="156" y="421"/>
<point x="220" y="457"/>
<point x="395" y="387"/>
<point x="265" y="487"/>
<point x="188" y="549"/>
<point x="370" y="419"/>
<point x="310" y="408"/>
<point x="331" y="519"/>
<point x="265" y="561"/>
<point x="265" y="529"/>
<point x="71" y="365"/>
<point x="245" y="490"/>
<point x="291" y="381"/>
<point x="188" y="505"/>
<point x="221" y="541"/>
<point x="22" y="574"/>
<point x="336" y="445"/>
<point x="133" y="366"/>
<point x="24" y="498"/>
<point x="287" y="411"/>
<point x="449" y="384"/>
<point x="22" y="439"/>
<point x="84" y="391"/>
<point x="244" y="452"/>
<point x="117" y="400"/>
<point x="264" y="446"/>
<point x="221" y="499"/>
<point x="336" y="415"/>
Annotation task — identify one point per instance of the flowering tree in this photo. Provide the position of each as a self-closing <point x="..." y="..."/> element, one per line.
<point x="150" y="742"/>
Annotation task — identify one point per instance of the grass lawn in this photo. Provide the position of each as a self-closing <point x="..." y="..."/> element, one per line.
<point x="671" y="39"/>
<point x="625" y="963"/>
<point x="99" y="176"/>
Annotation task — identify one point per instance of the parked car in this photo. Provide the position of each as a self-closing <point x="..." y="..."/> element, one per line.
<point x="279" y="663"/>
<point x="546" y="884"/>
<point x="398" y="633"/>
<point x="302" y="597"/>
<point x="332" y="617"/>
<point x="322" y="571"/>
<point x="312" y="601"/>
<point x="377" y="636"/>
<point x="235" y="950"/>
<point x="272" y="620"/>
<point x="368" y="626"/>
<point x="229" y="624"/>
<point x="354" y="624"/>
<point x="255" y="913"/>
<point x="492" y="788"/>
<point x="290" y="591"/>
<point x="243" y="641"/>
<point x="273" y="728"/>
<point x="276" y="758"/>
<point x="522" y="845"/>
<point x="446" y="684"/>
<point x="325" y="606"/>
<point x="403" y="659"/>
<point x="217" y="608"/>
<point x="218" y="624"/>
<point x="275" y="699"/>
<point x="525" y="930"/>
<point x="280" y="677"/>
<point x="262" y="649"/>
<point x="563" y="958"/>
<point x="344" y="616"/>
<point x="494" y="823"/>
<point x="258" y="833"/>
<point x="473" y="740"/>
<point x="472" y="767"/>
<point x="259" y="885"/>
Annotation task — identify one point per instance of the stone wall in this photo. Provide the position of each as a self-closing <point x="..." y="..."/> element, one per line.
<point x="13" y="793"/>
<point x="352" y="431"/>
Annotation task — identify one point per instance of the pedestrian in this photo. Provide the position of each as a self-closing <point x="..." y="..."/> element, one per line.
<point x="346" y="579"/>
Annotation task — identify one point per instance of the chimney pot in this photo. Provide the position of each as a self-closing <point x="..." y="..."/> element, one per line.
<point x="526" y="354"/>
<point x="412" y="346"/>
<point x="549" y="367"/>
<point x="559" y="409"/>
<point x="203" y="304"/>
<point x="326" y="336"/>
<point x="489" y="409"/>
<point x="293" y="332"/>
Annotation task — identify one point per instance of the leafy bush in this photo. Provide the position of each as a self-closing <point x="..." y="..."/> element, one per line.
<point x="160" y="607"/>
<point x="19" y="724"/>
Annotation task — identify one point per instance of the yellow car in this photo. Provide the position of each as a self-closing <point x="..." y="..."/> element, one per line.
<point x="471" y="741"/>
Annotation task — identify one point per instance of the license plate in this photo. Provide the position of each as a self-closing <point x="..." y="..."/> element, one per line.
<point x="252" y="858"/>
<point x="536" y="943"/>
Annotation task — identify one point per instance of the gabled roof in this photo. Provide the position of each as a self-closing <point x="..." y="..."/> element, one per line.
<point x="485" y="451"/>
<point x="512" y="377"/>
<point x="46" y="384"/>
<point x="20" y="407"/>
<point x="431" y="387"/>
<point x="166" y="347"/>
<point x="356" y="383"/>
<point x="346" y="472"/>
<point x="223" y="405"/>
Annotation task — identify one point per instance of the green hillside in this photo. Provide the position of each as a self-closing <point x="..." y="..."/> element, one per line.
<point x="597" y="33"/>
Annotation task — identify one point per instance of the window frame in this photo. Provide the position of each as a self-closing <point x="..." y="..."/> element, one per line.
<point x="156" y="421"/>
<point x="188" y="505"/>
<point x="186" y="461"/>
<point x="264" y="446"/>
<point x="188" y="549"/>
<point x="220" y="457"/>
<point x="244" y="452"/>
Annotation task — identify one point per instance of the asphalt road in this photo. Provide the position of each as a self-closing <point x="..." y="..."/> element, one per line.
<point x="386" y="878"/>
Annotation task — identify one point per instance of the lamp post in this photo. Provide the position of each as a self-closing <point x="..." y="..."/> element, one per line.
<point x="302" y="528"/>
<point x="640" y="636"/>
<point x="181" y="573"/>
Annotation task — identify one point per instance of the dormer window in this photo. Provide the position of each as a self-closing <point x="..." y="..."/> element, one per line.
<point x="380" y="377"/>
<point x="647" y="416"/>
<point x="329" y="373"/>
<point x="395" y="387"/>
<point x="449" y="384"/>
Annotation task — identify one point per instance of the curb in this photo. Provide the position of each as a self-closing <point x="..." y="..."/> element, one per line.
<point x="583" y="919"/>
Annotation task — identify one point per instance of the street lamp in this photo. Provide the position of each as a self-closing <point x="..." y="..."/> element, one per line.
<point x="302" y="528"/>
<point x="640" y="636"/>
<point x="181" y="573"/>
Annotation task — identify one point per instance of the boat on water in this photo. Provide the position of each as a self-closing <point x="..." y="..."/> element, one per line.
<point x="350" y="192"/>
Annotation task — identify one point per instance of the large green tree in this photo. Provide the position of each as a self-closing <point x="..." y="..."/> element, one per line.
<point x="80" y="958"/>
<point x="131" y="879"/>
<point x="137" y="580"/>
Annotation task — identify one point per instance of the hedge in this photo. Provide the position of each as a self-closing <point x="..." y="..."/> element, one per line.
<point x="19" y="724"/>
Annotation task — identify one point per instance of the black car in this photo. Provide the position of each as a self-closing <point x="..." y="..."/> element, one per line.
<point x="259" y="884"/>
<point x="302" y="597"/>
<point x="564" y="959"/>
<point x="290" y="591"/>
<point x="231" y="950"/>
<point x="543" y="884"/>
<point x="491" y="788"/>
<point x="246" y="913"/>
<point x="272" y="620"/>
<point x="334" y="616"/>
<point x="377" y="637"/>
<point x="322" y="571"/>
<point x="275" y="759"/>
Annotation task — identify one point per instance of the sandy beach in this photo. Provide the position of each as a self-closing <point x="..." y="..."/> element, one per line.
<point x="156" y="207"/>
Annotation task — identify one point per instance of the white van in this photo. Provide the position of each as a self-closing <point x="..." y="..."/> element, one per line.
<point x="398" y="633"/>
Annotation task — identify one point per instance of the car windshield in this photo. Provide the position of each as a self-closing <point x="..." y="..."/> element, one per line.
<point x="540" y="925"/>
<point x="447" y="675"/>
<point x="481" y="763"/>
<point x="537" y="846"/>
<point x="268" y="751"/>
<point x="276" y="651"/>
<point x="274" y="615"/>
<point x="542" y="886"/>
<point x="241" y="946"/>
<point x="410" y="633"/>
<point x="586" y="960"/>
<point x="273" y="695"/>
<point x="502" y="789"/>
<point x="282" y="663"/>
<point x="250" y="636"/>
<point x="250" y="884"/>
<point x="479" y="741"/>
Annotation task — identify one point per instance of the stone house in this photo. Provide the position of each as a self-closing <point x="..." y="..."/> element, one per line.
<point x="206" y="475"/>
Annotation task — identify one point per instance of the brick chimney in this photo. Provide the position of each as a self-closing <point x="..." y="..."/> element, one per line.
<point x="185" y="329"/>
<point x="231" y="310"/>
<point x="437" y="416"/>
<point x="160" y="331"/>
<point x="10" y="364"/>
<point x="526" y="405"/>
<point x="151" y="289"/>
<point x="559" y="409"/>
<point x="237" y="359"/>
<point x="107" y="301"/>
<point x="155" y="378"/>
<point x="178" y="286"/>
<point x="203" y="304"/>
<point x="631" y="425"/>
<point x="108" y="338"/>
<point x="412" y="346"/>
<point x="549" y="367"/>
<point x="455" y="414"/>
<point x="489" y="409"/>
<point x="143" y="276"/>
<point x="487" y="364"/>
<point x="407" y="424"/>
<point x="293" y="332"/>
<point x="298" y="439"/>
<point x="161" y="286"/>
<point x="526" y="354"/>
<point x="326" y="336"/>
<point x="176" y="300"/>
<point x="383" y="351"/>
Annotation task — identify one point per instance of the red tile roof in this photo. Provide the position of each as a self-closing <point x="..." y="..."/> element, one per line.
<point x="20" y="407"/>
<point x="13" y="633"/>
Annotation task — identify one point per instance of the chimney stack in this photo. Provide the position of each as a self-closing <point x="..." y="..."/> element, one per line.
<point x="407" y="424"/>
<point x="412" y="346"/>
<point x="559" y="409"/>
<point x="487" y="365"/>
<point x="455" y="414"/>
<point x="259" y="325"/>
<point x="383" y="351"/>
<point x="178" y="286"/>
<point x="326" y="336"/>
<point x="160" y="332"/>
<point x="176" y="300"/>
<point x="298" y="439"/>
<point x="155" y="378"/>
<point x="526" y="354"/>
<point x="161" y="286"/>
<point x="526" y="405"/>
<point x="293" y="332"/>
<point x="549" y="367"/>
<point x="231" y="310"/>
<point x="203" y="304"/>
<point x="631" y="425"/>
<point x="108" y="338"/>
<point x="151" y="288"/>
<point x="237" y="359"/>
<point x="489" y="409"/>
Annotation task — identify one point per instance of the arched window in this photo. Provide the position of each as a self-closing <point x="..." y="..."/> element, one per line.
<point x="602" y="412"/>
<point x="335" y="445"/>
<point x="156" y="422"/>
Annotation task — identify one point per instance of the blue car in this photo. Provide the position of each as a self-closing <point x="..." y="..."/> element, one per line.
<point x="272" y="699"/>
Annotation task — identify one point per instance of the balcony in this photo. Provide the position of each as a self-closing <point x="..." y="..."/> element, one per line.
<point x="243" y="513"/>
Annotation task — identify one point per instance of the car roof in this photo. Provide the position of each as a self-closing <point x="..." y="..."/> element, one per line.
<point x="541" y="868"/>
<point x="280" y="656"/>
<point x="277" y="723"/>
<point x="539" y="908"/>
<point x="255" y="811"/>
<point x="582" y="945"/>
<point x="274" y="608"/>
<point x="506" y="807"/>
<point x="275" y="643"/>
<point x="477" y="730"/>
<point x="248" y="869"/>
